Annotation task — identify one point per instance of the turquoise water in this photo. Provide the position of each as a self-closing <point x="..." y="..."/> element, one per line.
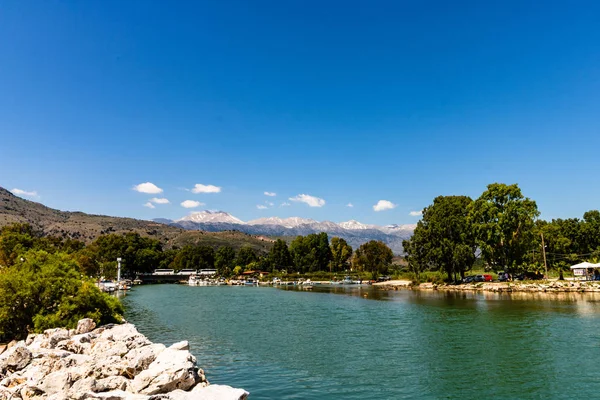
<point x="364" y="343"/>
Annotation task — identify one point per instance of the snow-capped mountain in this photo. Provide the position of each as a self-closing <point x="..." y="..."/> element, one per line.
<point x="354" y="232"/>
<point x="353" y="224"/>
<point x="211" y="216"/>
<point x="291" y="222"/>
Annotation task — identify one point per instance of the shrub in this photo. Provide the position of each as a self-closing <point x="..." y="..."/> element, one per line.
<point x="47" y="291"/>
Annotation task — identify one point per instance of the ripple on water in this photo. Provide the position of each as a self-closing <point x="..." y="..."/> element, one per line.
<point x="350" y="343"/>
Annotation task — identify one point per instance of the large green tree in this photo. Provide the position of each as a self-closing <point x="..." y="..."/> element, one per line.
<point x="225" y="260"/>
<point x="194" y="257"/>
<point x="503" y="221"/>
<point x="374" y="257"/>
<point x="311" y="253"/>
<point x="341" y="252"/>
<point x="279" y="256"/>
<point x="444" y="238"/>
<point x="246" y="256"/>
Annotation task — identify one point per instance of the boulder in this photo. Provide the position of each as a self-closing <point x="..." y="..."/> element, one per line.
<point x="53" y="336"/>
<point x="85" y="325"/>
<point x="140" y="358"/>
<point x="172" y="369"/>
<point x="117" y="395"/>
<point x="211" y="392"/>
<point x="58" y="382"/>
<point x="111" y="383"/>
<point x="183" y="345"/>
<point x="15" y="358"/>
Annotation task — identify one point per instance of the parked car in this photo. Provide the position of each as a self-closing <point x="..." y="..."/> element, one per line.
<point x="488" y="277"/>
<point x="502" y="276"/>
<point x="529" y="276"/>
<point x="479" y="278"/>
<point x="468" y="279"/>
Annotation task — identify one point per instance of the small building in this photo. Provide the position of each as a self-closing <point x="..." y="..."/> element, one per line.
<point x="207" y="272"/>
<point x="586" y="270"/>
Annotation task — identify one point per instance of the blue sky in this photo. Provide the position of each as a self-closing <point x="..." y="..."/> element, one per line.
<point x="349" y="102"/>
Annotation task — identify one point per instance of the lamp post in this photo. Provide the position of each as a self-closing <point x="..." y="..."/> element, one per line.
<point x="119" y="269"/>
<point x="544" y="252"/>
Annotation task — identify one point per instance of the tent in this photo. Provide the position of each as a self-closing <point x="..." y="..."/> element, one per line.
<point x="585" y="269"/>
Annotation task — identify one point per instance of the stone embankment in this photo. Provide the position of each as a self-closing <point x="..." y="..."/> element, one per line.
<point x="112" y="362"/>
<point x="552" y="286"/>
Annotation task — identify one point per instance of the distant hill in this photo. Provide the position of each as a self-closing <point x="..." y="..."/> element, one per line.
<point x="87" y="227"/>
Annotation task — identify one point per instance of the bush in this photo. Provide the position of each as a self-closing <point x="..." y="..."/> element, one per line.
<point x="47" y="291"/>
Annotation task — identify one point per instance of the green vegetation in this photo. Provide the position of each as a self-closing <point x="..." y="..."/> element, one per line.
<point x="41" y="285"/>
<point x="499" y="231"/>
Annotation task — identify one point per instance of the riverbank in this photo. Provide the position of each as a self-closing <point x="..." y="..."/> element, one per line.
<point x="552" y="286"/>
<point x="110" y="362"/>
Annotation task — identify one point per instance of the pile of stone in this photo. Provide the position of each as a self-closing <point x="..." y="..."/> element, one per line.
<point x="112" y="362"/>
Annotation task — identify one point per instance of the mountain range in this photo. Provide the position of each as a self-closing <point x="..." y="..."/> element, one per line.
<point x="354" y="232"/>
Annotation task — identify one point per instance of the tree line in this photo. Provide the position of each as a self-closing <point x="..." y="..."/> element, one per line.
<point x="305" y="254"/>
<point x="502" y="229"/>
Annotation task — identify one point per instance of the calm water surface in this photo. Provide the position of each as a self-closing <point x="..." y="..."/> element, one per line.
<point x="364" y="343"/>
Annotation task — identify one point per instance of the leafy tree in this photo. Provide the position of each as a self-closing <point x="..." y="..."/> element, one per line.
<point x="341" y="252"/>
<point x="15" y="240"/>
<point x="246" y="256"/>
<point x="443" y="238"/>
<point x="194" y="257"/>
<point x="224" y="260"/>
<point x="45" y="291"/>
<point x="311" y="253"/>
<point x="373" y="256"/>
<point x="139" y="254"/>
<point x="279" y="256"/>
<point x="503" y="221"/>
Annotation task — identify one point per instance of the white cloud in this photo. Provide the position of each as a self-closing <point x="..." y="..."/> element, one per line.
<point x="191" y="204"/>
<point x="312" y="201"/>
<point x="261" y="207"/>
<point x="147" y="187"/>
<point x="415" y="213"/>
<point x="269" y="203"/>
<point x="149" y="205"/>
<point x="200" y="188"/>
<point x="21" y="192"/>
<point x="350" y="205"/>
<point x="383" y="205"/>
<point x="271" y="194"/>
<point x="285" y="204"/>
<point x="159" y="200"/>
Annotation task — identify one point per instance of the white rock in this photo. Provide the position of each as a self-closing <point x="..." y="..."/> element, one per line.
<point x="53" y="336"/>
<point x="210" y="392"/>
<point x="117" y="395"/>
<point x="183" y="345"/>
<point x="85" y="325"/>
<point x="111" y="383"/>
<point x="172" y="369"/>
<point x="15" y="358"/>
<point x="141" y="358"/>
<point x="58" y="382"/>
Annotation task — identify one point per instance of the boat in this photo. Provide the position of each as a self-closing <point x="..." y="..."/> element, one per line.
<point x="107" y="286"/>
<point x="251" y="282"/>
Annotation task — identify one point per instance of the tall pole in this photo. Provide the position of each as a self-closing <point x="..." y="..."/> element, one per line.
<point x="119" y="269"/>
<point x="544" y="252"/>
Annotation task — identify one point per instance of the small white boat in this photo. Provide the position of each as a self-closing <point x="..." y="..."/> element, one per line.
<point x="251" y="282"/>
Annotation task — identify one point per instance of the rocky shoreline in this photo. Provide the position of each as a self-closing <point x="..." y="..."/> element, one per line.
<point x="552" y="286"/>
<point x="112" y="362"/>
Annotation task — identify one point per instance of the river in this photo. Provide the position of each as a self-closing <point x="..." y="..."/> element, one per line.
<point x="365" y="343"/>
